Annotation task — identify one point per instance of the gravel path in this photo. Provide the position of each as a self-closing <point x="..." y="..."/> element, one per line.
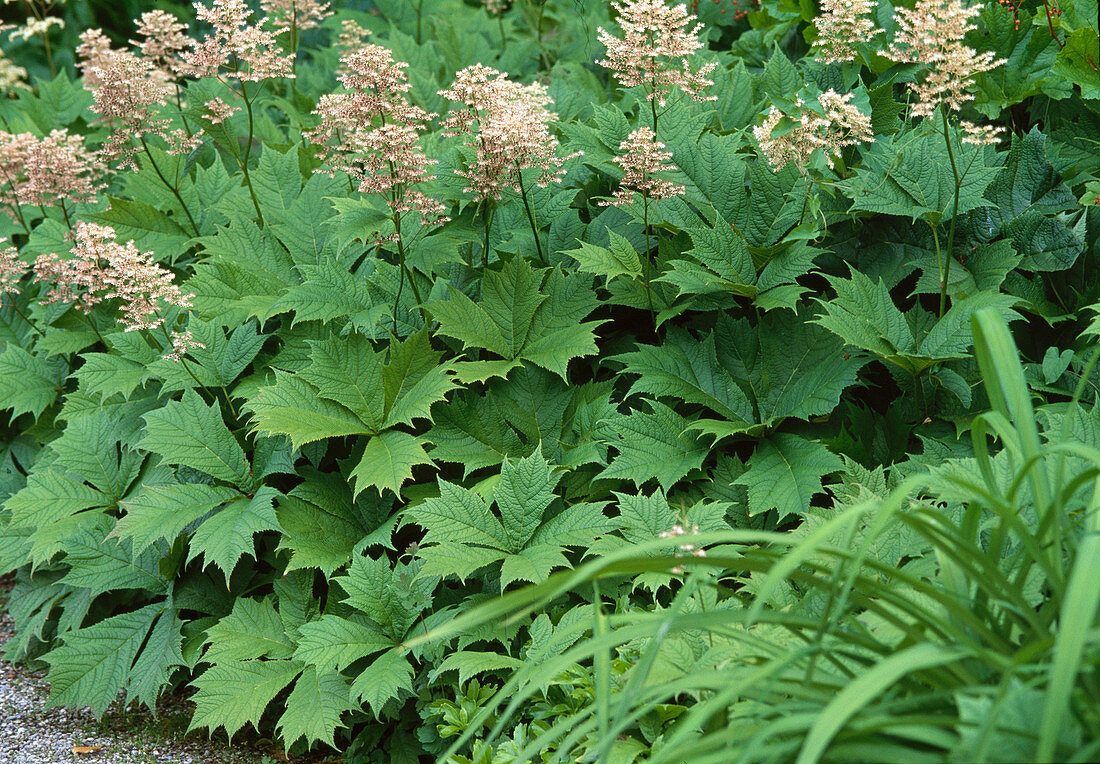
<point x="30" y="734"/>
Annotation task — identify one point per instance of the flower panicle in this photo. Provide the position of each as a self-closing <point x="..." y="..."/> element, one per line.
<point x="655" y="50"/>
<point x="297" y="14"/>
<point x="251" y="50"/>
<point x="836" y="125"/>
<point x="47" y="171"/>
<point x="128" y="92"/>
<point x="841" y="25"/>
<point x="164" y="41"/>
<point x="12" y="269"/>
<point x="372" y="133"/>
<point x="102" y="269"/>
<point x="642" y="159"/>
<point x="932" y="33"/>
<point x="507" y="126"/>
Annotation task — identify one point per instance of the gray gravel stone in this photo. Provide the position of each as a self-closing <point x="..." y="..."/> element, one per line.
<point x="32" y="734"/>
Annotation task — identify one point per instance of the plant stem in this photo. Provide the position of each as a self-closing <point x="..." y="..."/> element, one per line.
<point x="946" y="272"/>
<point x="530" y="216"/>
<point x="175" y="191"/>
<point x="648" y="263"/>
<point x="248" y="153"/>
<point x="487" y="215"/>
<point x="23" y="316"/>
<point x="401" y="281"/>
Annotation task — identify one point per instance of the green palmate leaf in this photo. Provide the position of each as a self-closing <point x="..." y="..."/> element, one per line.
<point x="392" y="597"/>
<point x="235" y="693"/>
<point x="101" y="566"/>
<point x="221" y="359"/>
<point x="785" y="472"/>
<point x="106" y="374"/>
<point x="253" y="630"/>
<point x="1026" y="197"/>
<point x="525" y="490"/>
<point x="226" y="536"/>
<point x="459" y="560"/>
<point x="330" y="292"/>
<point x="788" y="367"/>
<point x="1077" y="61"/>
<point x="619" y="259"/>
<point x="148" y="227"/>
<point x="334" y="643"/>
<point x="460" y="516"/>
<point x="94" y="663"/>
<point x="470" y="663"/>
<point x="863" y="314"/>
<point x="348" y="371"/>
<point x="28" y="383"/>
<point x="721" y="265"/>
<point x="314" y="707"/>
<point x="388" y="461"/>
<point x="243" y="274"/>
<point x="687" y="369"/>
<point x="322" y="530"/>
<point x="383" y="680"/>
<point x="294" y="408"/>
<point x="160" y="656"/>
<point x="162" y="511"/>
<point x="532" y="563"/>
<point x="524" y="313"/>
<point x="91" y="448"/>
<point x="190" y="433"/>
<point x="655" y="446"/>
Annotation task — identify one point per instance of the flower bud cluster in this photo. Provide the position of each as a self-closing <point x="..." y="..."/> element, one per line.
<point x="841" y="25"/>
<point x="931" y="33"/>
<point x="295" y="14"/>
<point x="250" y="51"/>
<point x="372" y="133"/>
<point x="12" y="269"/>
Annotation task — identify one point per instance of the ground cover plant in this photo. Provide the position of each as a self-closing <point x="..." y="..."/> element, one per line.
<point x="557" y="380"/>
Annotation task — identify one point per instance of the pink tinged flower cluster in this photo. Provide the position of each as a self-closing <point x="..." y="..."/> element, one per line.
<point x="12" y="269"/>
<point x="841" y="25"/>
<point x="182" y="343"/>
<point x="128" y="92"/>
<point x="251" y="51"/>
<point x="164" y="41"/>
<point x="655" y="50"/>
<point x="102" y="269"/>
<point x="218" y="110"/>
<point x="838" y="124"/>
<point x="47" y="171"/>
<point x="643" y="159"/>
<point x="297" y="14"/>
<point x="372" y="133"/>
<point x="508" y="126"/>
<point x="931" y="34"/>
